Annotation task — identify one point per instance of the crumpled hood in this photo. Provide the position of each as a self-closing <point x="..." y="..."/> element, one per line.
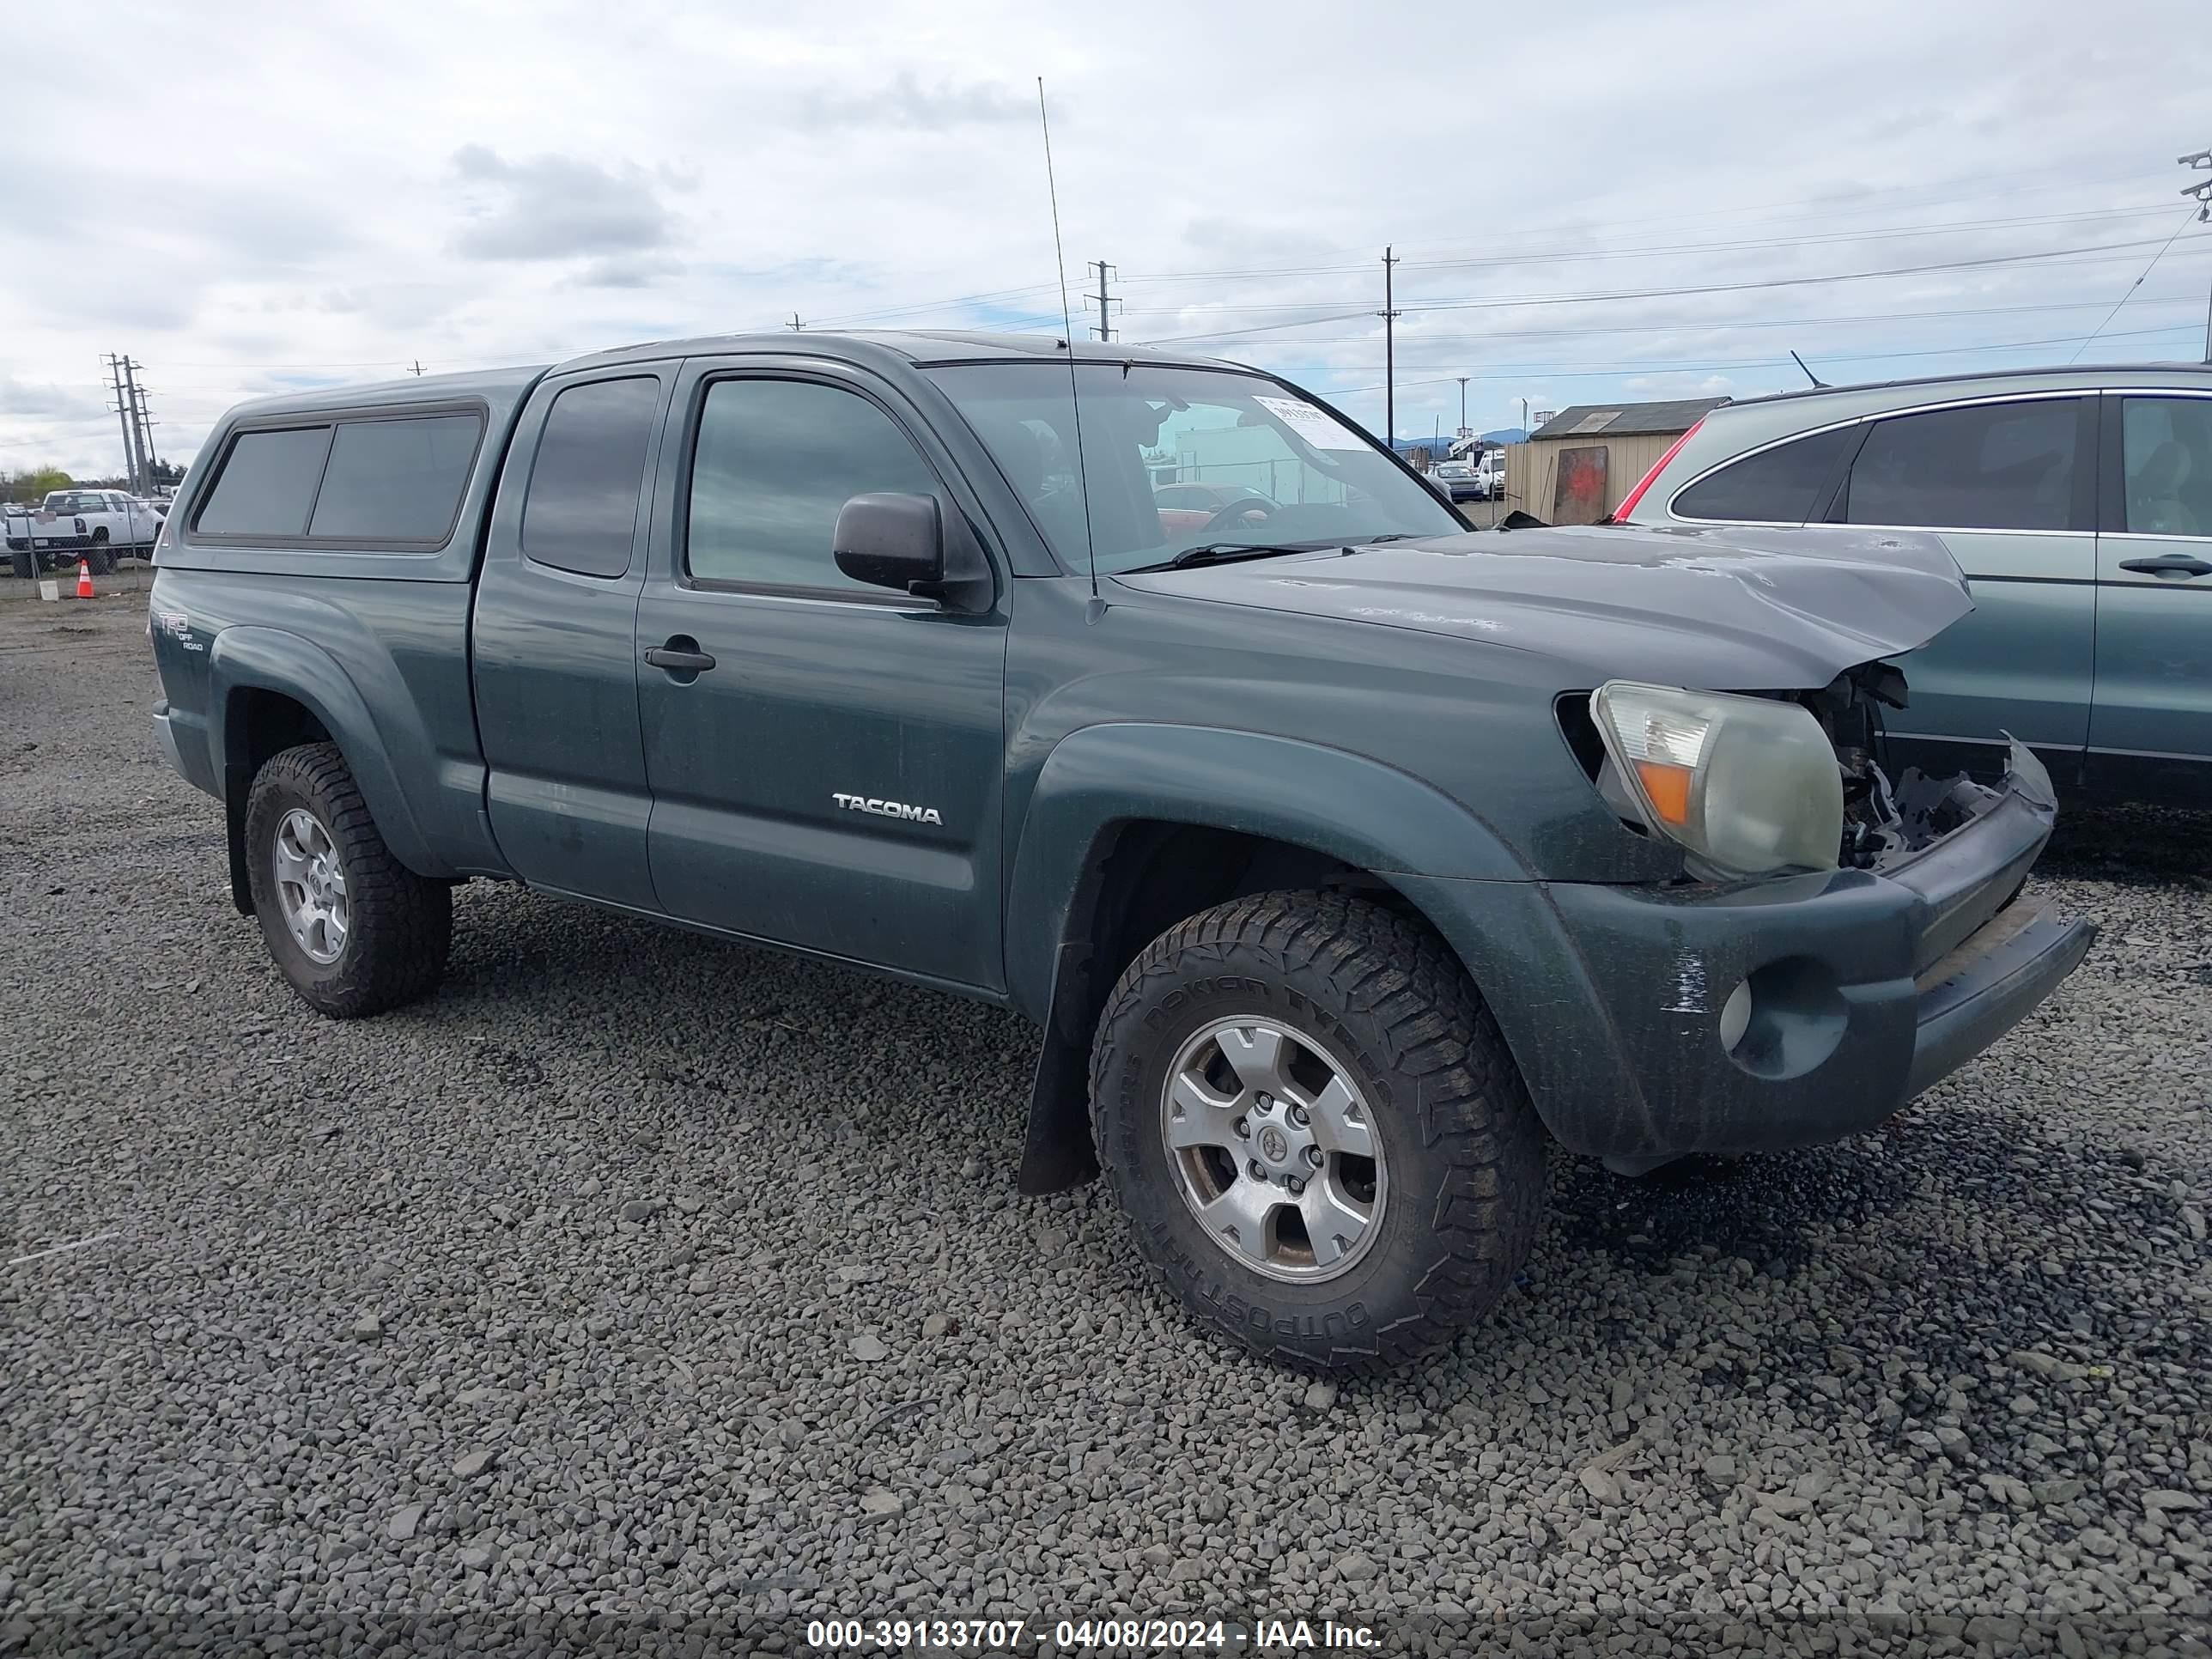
<point x="1735" y="609"/>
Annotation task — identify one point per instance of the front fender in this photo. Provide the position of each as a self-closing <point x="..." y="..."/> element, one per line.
<point x="1370" y="816"/>
<point x="246" y="657"/>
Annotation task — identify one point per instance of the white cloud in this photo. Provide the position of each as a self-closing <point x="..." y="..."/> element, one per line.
<point x="554" y="207"/>
<point x="341" y="193"/>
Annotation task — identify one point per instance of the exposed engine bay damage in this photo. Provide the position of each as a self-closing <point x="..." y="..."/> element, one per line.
<point x="1884" y="820"/>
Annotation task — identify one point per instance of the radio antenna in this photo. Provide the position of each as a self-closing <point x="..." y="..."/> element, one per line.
<point x="1067" y="326"/>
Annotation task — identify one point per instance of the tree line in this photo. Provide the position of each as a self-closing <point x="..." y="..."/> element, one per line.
<point x="33" y="483"/>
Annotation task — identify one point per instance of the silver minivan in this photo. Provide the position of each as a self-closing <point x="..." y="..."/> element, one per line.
<point x="2079" y="503"/>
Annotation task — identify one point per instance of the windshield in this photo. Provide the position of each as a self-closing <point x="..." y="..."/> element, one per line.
<point x="1180" y="458"/>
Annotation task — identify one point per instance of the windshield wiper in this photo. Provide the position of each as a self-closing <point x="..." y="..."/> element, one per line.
<point x="1227" y="553"/>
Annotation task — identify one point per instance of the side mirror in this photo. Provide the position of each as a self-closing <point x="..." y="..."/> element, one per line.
<point x="899" y="541"/>
<point x="890" y="541"/>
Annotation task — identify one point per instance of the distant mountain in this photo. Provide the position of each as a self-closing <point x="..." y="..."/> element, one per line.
<point x="1511" y="435"/>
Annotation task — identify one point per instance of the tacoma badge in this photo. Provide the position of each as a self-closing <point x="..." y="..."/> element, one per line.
<point x="888" y="809"/>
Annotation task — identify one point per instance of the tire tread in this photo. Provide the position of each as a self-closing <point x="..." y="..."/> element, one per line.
<point x="1467" y="1099"/>
<point x="403" y="922"/>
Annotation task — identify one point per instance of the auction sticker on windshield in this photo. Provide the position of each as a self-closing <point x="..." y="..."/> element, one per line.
<point x="1316" y="426"/>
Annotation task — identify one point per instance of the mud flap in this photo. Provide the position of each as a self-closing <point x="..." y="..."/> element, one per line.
<point x="1059" y="1152"/>
<point x="233" y="815"/>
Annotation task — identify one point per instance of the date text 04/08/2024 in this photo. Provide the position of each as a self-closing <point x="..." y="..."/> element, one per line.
<point x="1165" y="1635"/>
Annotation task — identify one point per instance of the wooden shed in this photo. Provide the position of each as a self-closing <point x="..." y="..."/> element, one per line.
<point x="1576" y="467"/>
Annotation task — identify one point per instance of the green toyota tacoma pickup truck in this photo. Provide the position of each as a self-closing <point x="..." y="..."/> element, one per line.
<point x="1346" y="858"/>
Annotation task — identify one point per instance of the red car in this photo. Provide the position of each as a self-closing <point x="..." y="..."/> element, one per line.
<point x="1185" y="508"/>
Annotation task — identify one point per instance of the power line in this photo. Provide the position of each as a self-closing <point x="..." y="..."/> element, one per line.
<point x="2186" y="221"/>
<point x="1827" y="210"/>
<point x="1502" y="301"/>
<point x="1719" y="325"/>
<point x="1561" y="256"/>
<point x="1827" y="207"/>
<point x="1585" y="370"/>
<point x="1524" y="371"/>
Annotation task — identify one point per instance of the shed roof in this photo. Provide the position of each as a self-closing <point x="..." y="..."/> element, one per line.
<point x="1625" y="420"/>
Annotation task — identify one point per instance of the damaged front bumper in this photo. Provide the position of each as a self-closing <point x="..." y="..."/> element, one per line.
<point x="1986" y="955"/>
<point x="1663" y="1022"/>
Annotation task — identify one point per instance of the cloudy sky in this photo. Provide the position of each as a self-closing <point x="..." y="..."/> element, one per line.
<point x="1598" y="201"/>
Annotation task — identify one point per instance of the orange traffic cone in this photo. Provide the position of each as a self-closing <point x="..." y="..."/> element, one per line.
<point x="84" y="580"/>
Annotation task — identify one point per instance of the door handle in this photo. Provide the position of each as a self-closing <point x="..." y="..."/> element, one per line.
<point x="681" y="655"/>
<point x="2168" y="564"/>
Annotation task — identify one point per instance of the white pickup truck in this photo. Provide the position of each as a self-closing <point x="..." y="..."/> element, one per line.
<point x="97" y="525"/>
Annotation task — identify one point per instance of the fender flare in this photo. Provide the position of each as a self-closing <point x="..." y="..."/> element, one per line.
<point x="250" y="658"/>
<point x="1346" y="807"/>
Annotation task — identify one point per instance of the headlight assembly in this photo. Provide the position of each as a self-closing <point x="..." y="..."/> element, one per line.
<point x="1749" y="786"/>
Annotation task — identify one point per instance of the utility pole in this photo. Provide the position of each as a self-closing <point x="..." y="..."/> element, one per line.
<point x="418" y="369"/>
<point x="1104" y="301"/>
<point x="141" y="476"/>
<point x="1389" y="315"/>
<point x="2202" y="162"/>
<point x="796" y="326"/>
<point x="122" y="414"/>
<point x="145" y="420"/>
<point x="1463" y="405"/>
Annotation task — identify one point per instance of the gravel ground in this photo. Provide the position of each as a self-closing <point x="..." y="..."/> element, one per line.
<point x="639" y="1292"/>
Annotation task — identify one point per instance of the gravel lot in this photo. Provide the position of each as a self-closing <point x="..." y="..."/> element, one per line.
<point x="645" y="1293"/>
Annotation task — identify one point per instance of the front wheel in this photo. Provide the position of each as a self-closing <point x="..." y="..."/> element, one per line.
<point x="1317" y="1130"/>
<point x="354" y="930"/>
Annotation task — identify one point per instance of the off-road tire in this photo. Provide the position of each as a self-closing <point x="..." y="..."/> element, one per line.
<point x="401" y="925"/>
<point x="1463" y="1147"/>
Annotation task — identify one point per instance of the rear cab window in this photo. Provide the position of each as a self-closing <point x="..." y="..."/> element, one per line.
<point x="579" y="510"/>
<point x="397" y="481"/>
<point x="374" y="482"/>
<point x="267" y="484"/>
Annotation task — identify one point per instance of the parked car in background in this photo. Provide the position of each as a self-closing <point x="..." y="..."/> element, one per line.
<point x="97" y="525"/>
<point x="1457" y="479"/>
<point x="1187" y="506"/>
<point x="2079" y="502"/>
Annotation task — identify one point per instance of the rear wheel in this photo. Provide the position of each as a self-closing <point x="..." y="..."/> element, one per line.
<point x="1317" y="1130"/>
<point x="24" y="562"/>
<point x="355" y="931"/>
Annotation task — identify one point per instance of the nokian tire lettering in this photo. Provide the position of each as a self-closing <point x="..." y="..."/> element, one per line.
<point x="1463" y="1146"/>
<point x="401" y="926"/>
